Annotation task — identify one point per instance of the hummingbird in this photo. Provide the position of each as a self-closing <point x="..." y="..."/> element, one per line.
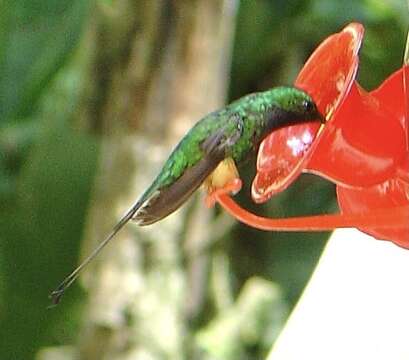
<point x="208" y="154"/>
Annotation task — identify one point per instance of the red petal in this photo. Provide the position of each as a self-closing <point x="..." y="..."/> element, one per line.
<point x="392" y="94"/>
<point x="327" y="77"/>
<point x="391" y="195"/>
<point x="406" y="92"/>
<point x="280" y="158"/>
<point x="364" y="142"/>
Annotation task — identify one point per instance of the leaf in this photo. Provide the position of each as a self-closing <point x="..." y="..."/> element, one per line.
<point x="37" y="39"/>
<point x="40" y="237"/>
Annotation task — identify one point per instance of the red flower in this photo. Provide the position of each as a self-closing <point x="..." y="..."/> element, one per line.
<point x="363" y="147"/>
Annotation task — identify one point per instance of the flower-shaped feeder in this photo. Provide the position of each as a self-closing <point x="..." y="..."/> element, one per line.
<point x="331" y="69"/>
<point x="362" y="142"/>
<point x="394" y="192"/>
<point x="362" y="147"/>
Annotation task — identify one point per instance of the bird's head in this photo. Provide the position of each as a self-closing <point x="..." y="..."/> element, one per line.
<point x="296" y="105"/>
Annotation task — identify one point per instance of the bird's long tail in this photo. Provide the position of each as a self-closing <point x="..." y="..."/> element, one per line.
<point x="66" y="283"/>
<point x="153" y="206"/>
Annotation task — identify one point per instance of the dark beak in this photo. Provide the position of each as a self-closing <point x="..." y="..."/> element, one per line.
<point x="321" y="118"/>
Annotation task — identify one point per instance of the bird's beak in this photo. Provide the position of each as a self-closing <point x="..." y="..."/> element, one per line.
<point x="321" y="118"/>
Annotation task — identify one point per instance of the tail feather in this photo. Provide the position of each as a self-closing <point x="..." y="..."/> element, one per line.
<point x="153" y="206"/>
<point x="66" y="283"/>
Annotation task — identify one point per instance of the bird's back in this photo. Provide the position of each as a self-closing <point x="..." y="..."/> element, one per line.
<point x="183" y="172"/>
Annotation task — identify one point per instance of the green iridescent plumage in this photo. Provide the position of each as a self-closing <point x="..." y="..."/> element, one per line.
<point x="233" y="132"/>
<point x="254" y="111"/>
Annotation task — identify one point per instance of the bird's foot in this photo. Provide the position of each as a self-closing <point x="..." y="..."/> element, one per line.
<point x="231" y="188"/>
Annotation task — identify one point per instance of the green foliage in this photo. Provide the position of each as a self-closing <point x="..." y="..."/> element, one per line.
<point x="40" y="237"/>
<point x="46" y="168"/>
<point x="37" y="39"/>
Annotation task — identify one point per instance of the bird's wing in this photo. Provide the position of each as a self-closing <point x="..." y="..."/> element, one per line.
<point x="168" y="199"/>
<point x="217" y="143"/>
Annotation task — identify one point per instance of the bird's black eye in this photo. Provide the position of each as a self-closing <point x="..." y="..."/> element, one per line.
<point x="308" y="105"/>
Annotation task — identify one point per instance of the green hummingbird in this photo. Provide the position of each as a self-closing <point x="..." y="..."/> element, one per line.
<point x="222" y="139"/>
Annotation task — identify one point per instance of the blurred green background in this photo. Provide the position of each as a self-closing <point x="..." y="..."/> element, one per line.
<point x="49" y="153"/>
